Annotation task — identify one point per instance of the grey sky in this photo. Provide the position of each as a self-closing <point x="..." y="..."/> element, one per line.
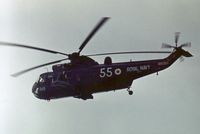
<point x="167" y="103"/>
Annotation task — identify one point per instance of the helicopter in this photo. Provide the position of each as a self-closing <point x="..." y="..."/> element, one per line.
<point x="83" y="76"/>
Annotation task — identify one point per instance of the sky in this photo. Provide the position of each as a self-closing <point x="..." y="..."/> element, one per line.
<point x="167" y="103"/>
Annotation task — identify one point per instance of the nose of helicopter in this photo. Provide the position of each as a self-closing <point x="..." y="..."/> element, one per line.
<point x="39" y="91"/>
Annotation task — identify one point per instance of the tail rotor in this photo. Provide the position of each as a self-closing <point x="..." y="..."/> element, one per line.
<point x="177" y="47"/>
<point x="177" y="36"/>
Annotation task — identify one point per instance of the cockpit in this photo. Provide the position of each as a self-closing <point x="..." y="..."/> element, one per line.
<point x="41" y="85"/>
<point x="48" y="82"/>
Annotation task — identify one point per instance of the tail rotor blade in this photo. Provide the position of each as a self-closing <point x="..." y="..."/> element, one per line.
<point x="177" y="35"/>
<point x="165" y="45"/>
<point x="188" y="44"/>
<point x="181" y="59"/>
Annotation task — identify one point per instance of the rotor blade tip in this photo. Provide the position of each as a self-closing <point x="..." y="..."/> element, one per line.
<point x="14" y="75"/>
<point x="106" y="17"/>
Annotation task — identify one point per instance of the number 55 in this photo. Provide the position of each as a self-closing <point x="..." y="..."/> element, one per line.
<point x="106" y="72"/>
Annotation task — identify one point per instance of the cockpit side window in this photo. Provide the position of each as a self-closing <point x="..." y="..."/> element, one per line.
<point x="48" y="78"/>
<point x="41" y="80"/>
<point x="62" y="76"/>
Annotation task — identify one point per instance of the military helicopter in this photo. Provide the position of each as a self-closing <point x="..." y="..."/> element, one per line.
<point x="83" y="76"/>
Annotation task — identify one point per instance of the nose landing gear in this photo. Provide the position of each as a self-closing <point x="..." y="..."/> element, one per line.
<point x="130" y="92"/>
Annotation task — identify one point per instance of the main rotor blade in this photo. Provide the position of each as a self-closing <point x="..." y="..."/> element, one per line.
<point x="165" y="45"/>
<point x="132" y="52"/>
<point x="31" y="47"/>
<point x="177" y="35"/>
<point x="33" y="68"/>
<point x="92" y="33"/>
<point x="188" y="44"/>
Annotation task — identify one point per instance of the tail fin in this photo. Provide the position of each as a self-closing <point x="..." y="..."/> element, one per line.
<point x="183" y="52"/>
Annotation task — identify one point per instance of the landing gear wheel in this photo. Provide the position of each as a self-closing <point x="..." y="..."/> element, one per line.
<point x="130" y="92"/>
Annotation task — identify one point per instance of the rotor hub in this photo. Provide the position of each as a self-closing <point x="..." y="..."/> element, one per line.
<point x="74" y="56"/>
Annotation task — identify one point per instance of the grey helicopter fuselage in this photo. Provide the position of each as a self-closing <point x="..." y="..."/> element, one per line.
<point x="88" y="77"/>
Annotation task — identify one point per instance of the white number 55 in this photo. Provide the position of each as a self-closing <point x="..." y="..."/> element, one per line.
<point x="106" y="72"/>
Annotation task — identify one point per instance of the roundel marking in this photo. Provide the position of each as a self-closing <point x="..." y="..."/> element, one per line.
<point x="118" y="71"/>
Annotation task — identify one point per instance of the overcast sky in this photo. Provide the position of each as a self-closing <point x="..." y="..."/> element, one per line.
<point x="167" y="103"/>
